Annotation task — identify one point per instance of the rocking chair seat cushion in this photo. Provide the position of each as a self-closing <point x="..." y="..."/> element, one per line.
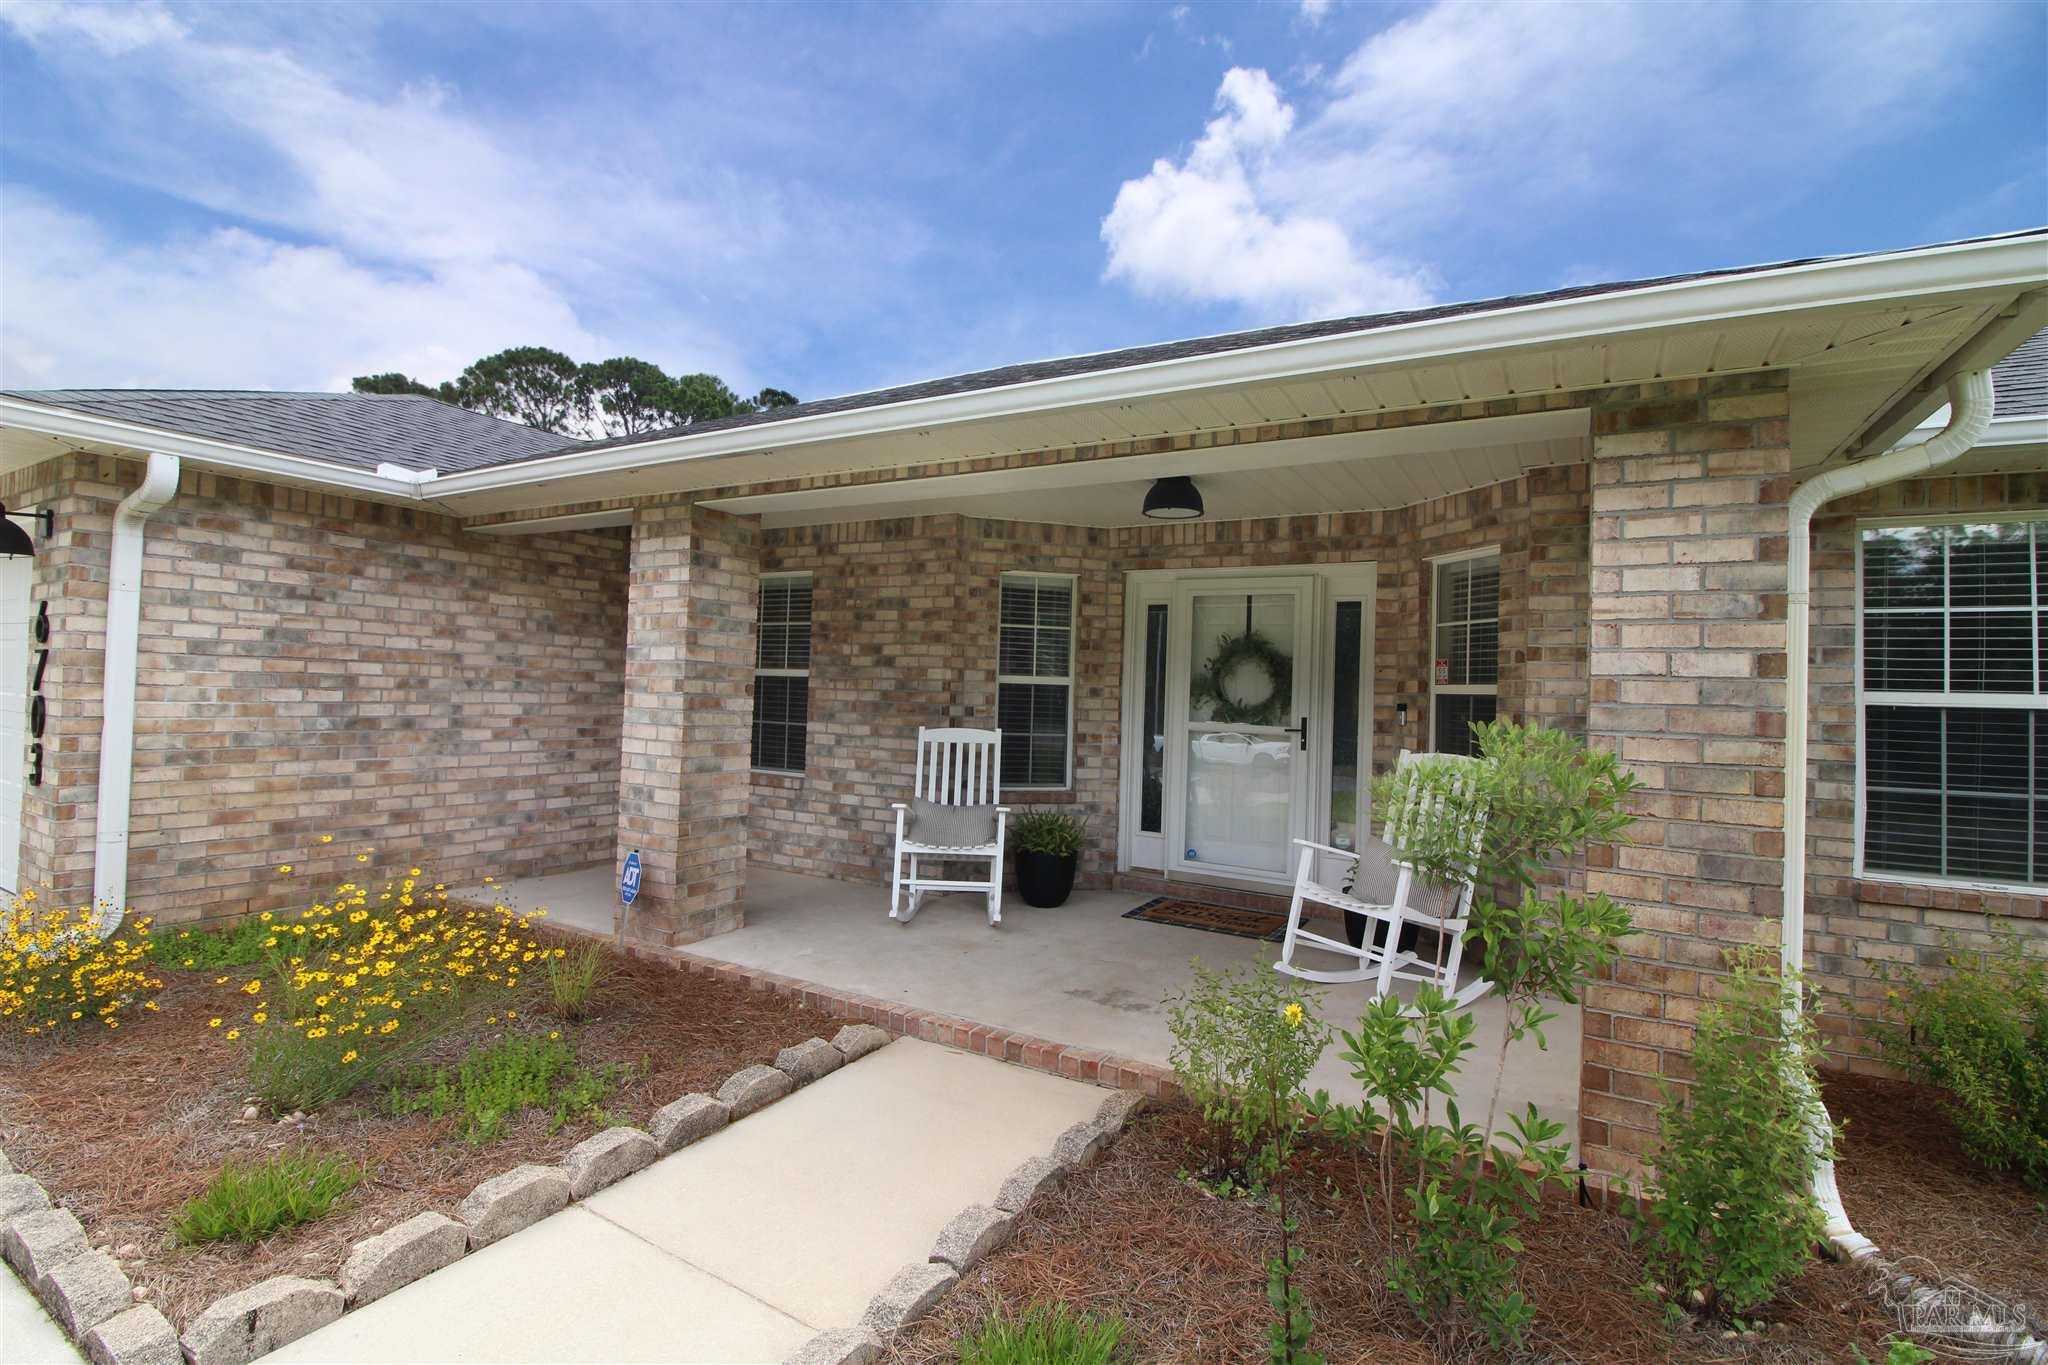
<point x="940" y="826"/>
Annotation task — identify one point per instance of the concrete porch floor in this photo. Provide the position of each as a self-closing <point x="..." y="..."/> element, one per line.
<point x="1081" y="975"/>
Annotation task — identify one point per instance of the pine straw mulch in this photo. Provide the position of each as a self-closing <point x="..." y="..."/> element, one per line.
<point x="1188" y="1272"/>
<point x="1908" y="1185"/>
<point x="123" y="1128"/>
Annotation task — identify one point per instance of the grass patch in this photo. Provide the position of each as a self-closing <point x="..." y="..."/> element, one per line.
<point x="494" y="1084"/>
<point x="247" y="1201"/>
<point x="575" y="981"/>
<point x="239" y="944"/>
<point x="1045" y="1334"/>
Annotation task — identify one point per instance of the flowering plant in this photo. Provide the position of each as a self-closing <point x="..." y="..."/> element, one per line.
<point x="368" y="976"/>
<point x="57" y="968"/>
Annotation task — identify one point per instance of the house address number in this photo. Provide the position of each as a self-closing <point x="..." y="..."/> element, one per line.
<point x="38" y="706"/>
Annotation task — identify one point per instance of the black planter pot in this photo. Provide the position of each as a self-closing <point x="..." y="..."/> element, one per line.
<point x="1046" y="879"/>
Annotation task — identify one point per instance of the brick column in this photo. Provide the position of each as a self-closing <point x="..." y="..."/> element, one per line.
<point x="684" y="752"/>
<point x="1687" y="669"/>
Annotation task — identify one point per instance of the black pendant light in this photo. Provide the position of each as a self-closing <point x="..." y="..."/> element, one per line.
<point x="15" y="542"/>
<point x="1173" y="499"/>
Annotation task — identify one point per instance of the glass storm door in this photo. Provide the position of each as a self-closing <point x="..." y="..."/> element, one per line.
<point x="1240" y="678"/>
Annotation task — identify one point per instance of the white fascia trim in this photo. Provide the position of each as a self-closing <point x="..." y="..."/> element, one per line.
<point x="2028" y="430"/>
<point x="2002" y="265"/>
<point x="69" y="424"/>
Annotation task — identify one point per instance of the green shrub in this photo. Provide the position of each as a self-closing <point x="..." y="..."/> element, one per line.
<point x="1732" y="1217"/>
<point x="249" y="1200"/>
<point x="1047" y="831"/>
<point x="1045" y="1334"/>
<point x="494" y="1084"/>
<point x="232" y="945"/>
<point x="576" y="981"/>
<point x="1980" y="1034"/>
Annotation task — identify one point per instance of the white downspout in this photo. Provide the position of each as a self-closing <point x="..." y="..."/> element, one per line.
<point x="1969" y="414"/>
<point x="117" y="728"/>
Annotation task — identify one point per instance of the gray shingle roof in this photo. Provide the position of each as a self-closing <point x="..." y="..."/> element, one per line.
<point x="358" y="430"/>
<point x="2019" y="382"/>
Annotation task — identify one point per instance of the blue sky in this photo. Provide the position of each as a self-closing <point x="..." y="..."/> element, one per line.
<point x="833" y="197"/>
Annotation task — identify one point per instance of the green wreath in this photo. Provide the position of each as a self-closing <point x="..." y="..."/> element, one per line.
<point x="1250" y="647"/>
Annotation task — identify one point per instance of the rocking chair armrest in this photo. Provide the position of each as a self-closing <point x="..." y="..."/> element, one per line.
<point x="899" y="805"/>
<point x="1325" y="848"/>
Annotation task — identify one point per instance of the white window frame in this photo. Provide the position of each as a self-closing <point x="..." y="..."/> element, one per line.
<point x="1985" y="701"/>
<point x="760" y="594"/>
<point x="1073" y="582"/>
<point x="1436" y="564"/>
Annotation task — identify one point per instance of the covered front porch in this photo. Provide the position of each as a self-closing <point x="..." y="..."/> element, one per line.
<point x="1081" y="975"/>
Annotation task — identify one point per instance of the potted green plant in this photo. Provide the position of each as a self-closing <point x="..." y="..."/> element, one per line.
<point x="1048" y="845"/>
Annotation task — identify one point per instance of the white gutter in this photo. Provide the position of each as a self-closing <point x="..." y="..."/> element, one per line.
<point x="1969" y="416"/>
<point x="117" y="728"/>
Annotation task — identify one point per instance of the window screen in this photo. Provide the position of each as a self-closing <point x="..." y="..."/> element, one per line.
<point x="1954" y="720"/>
<point x="1035" y="681"/>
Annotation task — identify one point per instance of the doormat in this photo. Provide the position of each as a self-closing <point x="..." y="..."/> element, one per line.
<point x="1268" y="925"/>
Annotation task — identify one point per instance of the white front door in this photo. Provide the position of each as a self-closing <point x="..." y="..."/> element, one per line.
<point x="14" y="663"/>
<point x="1241" y="669"/>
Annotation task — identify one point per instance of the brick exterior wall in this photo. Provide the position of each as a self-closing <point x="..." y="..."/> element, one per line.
<point x="683" y="788"/>
<point x="905" y="622"/>
<point x="314" y="664"/>
<point x="1853" y="923"/>
<point x="1688" y="662"/>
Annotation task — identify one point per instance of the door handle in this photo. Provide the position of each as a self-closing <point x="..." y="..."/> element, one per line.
<point x="1302" y="730"/>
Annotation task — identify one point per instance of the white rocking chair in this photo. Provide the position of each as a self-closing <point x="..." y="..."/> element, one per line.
<point x="1379" y="957"/>
<point x="955" y="769"/>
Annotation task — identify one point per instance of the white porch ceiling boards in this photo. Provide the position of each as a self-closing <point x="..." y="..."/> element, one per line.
<point x="1355" y="472"/>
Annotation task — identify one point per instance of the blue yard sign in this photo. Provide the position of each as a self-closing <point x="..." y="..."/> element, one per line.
<point x="629" y="878"/>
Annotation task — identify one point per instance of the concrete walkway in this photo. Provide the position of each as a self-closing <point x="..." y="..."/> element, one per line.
<point x="27" y="1335"/>
<point x="744" y="1246"/>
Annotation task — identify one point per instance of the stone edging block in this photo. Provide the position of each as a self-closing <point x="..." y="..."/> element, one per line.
<point x="257" y="1320"/>
<point x="856" y="1041"/>
<point x="842" y="1346"/>
<point x="809" y="1061"/>
<point x="38" y="1242"/>
<point x="20" y="1194"/>
<point x="1118" y="1110"/>
<point x="908" y="1296"/>
<point x="753" y="1088"/>
<point x="689" y="1119"/>
<point x="141" y="1335"/>
<point x="85" y="1291"/>
<point x="399" y="1255"/>
<point x="974" y="1232"/>
<point x="606" y="1158"/>
<point x="1080" y="1145"/>
<point x="1034" y="1176"/>
<point x="506" y="1203"/>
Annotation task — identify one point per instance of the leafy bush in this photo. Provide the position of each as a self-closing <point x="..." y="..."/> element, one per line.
<point x="495" y="1084"/>
<point x="249" y="1200"/>
<point x="1243" y="1045"/>
<point x="367" y="978"/>
<point x="1047" y="831"/>
<point x="1732" y="1216"/>
<point x="56" y="969"/>
<point x="233" y="945"/>
<point x="576" y="981"/>
<point x="1045" y="1334"/>
<point x="1980" y="1034"/>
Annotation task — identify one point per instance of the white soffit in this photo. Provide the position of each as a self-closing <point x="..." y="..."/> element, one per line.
<point x="1352" y="472"/>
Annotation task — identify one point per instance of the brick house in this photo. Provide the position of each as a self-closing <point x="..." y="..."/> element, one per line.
<point x="396" y="622"/>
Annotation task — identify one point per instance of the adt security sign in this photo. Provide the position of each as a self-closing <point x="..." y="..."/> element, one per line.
<point x="629" y="879"/>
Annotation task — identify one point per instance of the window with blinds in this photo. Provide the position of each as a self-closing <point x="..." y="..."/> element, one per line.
<point x="1954" y="701"/>
<point x="1465" y="667"/>
<point x="1035" y="679"/>
<point x="782" y="673"/>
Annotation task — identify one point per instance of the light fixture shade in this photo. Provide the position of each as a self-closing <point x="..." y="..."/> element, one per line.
<point x="1173" y="499"/>
<point x="13" y="540"/>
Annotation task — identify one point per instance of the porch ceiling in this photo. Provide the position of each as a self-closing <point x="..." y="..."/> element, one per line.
<point x="1353" y="472"/>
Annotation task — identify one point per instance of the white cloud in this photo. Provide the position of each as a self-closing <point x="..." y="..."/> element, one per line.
<point x="1197" y="229"/>
<point x="1314" y="10"/>
<point x="1497" y="118"/>
<point x="438" y="232"/>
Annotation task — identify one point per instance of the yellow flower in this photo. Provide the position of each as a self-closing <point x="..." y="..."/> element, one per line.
<point x="258" y="1017"/>
<point x="327" y="838"/>
<point x="234" y="1033"/>
<point x="1293" y="1014"/>
<point x="553" y="1034"/>
<point x="284" y="869"/>
<point x="348" y="1056"/>
<point x="213" y="1023"/>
